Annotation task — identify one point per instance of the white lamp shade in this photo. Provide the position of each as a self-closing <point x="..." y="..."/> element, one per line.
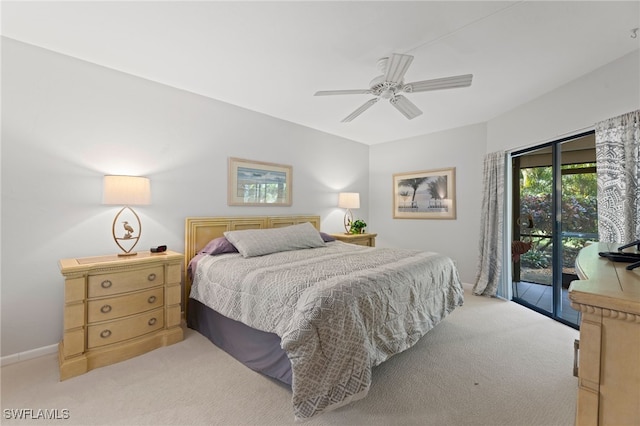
<point x="126" y="190"/>
<point x="349" y="200"/>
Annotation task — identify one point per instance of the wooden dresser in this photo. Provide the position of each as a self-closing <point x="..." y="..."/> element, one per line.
<point x="608" y="296"/>
<point x="116" y="308"/>
<point x="360" y="239"/>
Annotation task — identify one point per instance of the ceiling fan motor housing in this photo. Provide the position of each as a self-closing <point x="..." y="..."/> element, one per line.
<point x="382" y="88"/>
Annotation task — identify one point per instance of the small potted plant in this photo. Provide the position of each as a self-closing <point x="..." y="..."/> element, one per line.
<point x="358" y="226"/>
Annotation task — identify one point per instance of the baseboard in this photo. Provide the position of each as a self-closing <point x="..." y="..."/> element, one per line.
<point x="33" y="353"/>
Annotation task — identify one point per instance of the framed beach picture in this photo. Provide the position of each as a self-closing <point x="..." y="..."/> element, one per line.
<point x="428" y="194"/>
<point x="256" y="183"/>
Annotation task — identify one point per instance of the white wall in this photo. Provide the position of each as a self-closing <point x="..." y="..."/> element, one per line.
<point x="463" y="148"/>
<point x="66" y="123"/>
<point x="609" y="91"/>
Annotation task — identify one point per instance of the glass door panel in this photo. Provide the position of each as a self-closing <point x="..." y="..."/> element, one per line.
<point x="579" y="213"/>
<point x="533" y="236"/>
<point x="554" y="216"/>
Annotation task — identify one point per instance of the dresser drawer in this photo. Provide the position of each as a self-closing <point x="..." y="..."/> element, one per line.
<point x="121" y="306"/>
<point x="124" y="281"/>
<point x="127" y="328"/>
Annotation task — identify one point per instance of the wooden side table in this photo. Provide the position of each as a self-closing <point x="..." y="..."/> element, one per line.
<point x="117" y="308"/>
<point x="359" y="239"/>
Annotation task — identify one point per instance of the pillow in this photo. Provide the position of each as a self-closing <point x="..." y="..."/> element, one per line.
<point x="326" y="237"/>
<point x="258" y="242"/>
<point x="218" y="246"/>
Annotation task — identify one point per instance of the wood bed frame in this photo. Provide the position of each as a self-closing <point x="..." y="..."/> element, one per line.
<point x="200" y="230"/>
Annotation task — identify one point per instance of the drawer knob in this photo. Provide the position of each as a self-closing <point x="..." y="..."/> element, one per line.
<point x="152" y="321"/>
<point x="106" y="284"/>
<point x="105" y="333"/>
<point x="151" y="277"/>
<point x="105" y="309"/>
<point x="151" y="299"/>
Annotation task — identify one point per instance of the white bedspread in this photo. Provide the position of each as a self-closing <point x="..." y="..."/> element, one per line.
<point x="339" y="310"/>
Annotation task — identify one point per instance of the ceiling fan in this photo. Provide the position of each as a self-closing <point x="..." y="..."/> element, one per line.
<point x="391" y="84"/>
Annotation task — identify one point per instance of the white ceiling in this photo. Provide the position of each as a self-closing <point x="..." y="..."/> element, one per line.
<point x="271" y="57"/>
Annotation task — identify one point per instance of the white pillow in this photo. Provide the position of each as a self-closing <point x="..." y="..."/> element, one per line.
<point x="258" y="242"/>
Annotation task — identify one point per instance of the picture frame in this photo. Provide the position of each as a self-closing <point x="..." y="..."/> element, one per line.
<point x="258" y="183"/>
<point x="427" y="194"/>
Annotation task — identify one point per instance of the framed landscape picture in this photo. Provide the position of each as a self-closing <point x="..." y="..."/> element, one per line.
<point x="256" y="183"/>
<point x="428" y="194"/>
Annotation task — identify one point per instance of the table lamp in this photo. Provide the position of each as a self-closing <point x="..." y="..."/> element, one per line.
<point x="348" y="200"/>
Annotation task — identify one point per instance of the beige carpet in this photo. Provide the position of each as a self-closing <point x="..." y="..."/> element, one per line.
<point x="490" y="362"/>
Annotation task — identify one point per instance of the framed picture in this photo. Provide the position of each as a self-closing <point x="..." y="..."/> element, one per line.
<point x="255" y="183"/>
<point x="428" y="194"/>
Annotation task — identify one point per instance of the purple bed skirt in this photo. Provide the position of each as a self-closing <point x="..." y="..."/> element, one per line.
<point x="258" y="350"/>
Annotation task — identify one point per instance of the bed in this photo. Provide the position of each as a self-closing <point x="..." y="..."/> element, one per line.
<point x="314" y="313"/>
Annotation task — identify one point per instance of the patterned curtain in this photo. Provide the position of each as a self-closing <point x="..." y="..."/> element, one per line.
<point x="617" y="154"/>
<point x="491" y="226"/>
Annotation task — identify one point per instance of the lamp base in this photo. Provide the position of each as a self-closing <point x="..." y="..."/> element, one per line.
<point x="348" y="220"/>
<point x="129" y="238"/>
<point x="127" y="254"/>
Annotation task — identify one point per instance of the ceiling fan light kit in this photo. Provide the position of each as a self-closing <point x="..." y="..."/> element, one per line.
<point x="391" y="84"/>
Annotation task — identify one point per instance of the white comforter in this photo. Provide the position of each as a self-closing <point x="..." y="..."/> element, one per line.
<point x="339" y="310"/>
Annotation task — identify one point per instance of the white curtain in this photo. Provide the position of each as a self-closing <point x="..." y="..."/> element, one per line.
<point x="617" y="154"/>
<point x="490" y="255"/>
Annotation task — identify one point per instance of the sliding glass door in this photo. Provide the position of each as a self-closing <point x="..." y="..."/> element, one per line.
<point x="554" y="216"/>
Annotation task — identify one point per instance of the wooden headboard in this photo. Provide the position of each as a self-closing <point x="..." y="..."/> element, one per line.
<point x="200" y="230"/>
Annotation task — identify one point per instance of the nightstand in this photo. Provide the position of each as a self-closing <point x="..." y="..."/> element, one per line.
<point x="116" y="308"/>
<point x="359" y="239"/>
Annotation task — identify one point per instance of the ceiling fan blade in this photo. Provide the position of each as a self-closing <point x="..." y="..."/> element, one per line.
<point x="343" y="92"/>
<point x="438" y="83"/>
<point x="405" y="106"/>
<point x="397" y="66"/>
<point x="360" y="110"/>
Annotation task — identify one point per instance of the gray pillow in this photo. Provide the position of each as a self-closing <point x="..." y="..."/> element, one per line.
<point x="258" y="242"/>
